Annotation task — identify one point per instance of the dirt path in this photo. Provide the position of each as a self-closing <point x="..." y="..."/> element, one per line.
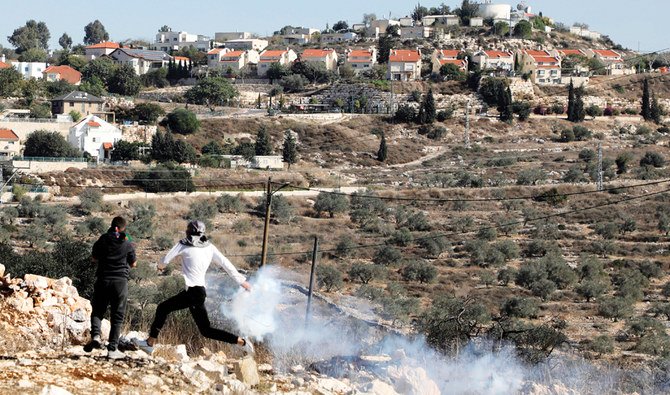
<point x="438" y="151"/>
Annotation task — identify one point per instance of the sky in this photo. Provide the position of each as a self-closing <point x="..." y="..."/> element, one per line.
<point x="634" y="24"/>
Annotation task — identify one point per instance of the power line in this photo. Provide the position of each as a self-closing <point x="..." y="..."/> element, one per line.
<point x="453" y="234"/>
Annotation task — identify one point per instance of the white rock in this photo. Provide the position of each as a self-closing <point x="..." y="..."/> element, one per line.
<point x="331" y="385"/>
<point x="36" y="281"/>
<point x="105" y="327"/>
<point x="246" y="371"/>
<point x="54" y="390"/>
<point x="297" y="369"/>
<point x="265" y="368"/>
<point x="2" y="270"/>
<point x="378" y="387"/>
<point x="412" y="381"/>
<point x="22" y="304"/>
<point x="24" y="383"/>
<point x="152" y="380"/>
<point x="171" y="353"/>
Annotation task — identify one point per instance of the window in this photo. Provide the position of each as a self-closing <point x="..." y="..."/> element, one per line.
<point x="71" y="104"/>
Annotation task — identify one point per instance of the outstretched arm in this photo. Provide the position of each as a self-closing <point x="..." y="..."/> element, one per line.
<point x="172" y="254"/>
<point x="222" y="261"/>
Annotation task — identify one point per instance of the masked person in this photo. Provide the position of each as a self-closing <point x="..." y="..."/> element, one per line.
<point x="197" y="253"/>
<point x="114" y="255"/>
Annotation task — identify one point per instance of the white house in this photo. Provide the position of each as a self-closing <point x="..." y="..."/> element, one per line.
<point x="415" y="32"/>
<point x="259" y="162"/>
<point x="612" y="60"/>
<point x="406" y="21"/>
<point x="227" y="36"/>
<point x="544" y="68"/>
<point x="237" y="60"/>
<point x="448" y="56"/>
<point x="404" y="65"/>
<point x="30" y="69"/>
<point x="494" y="60"/>
<point x="141" y="60"/>
<point x="444" y="20"/>
<point x="476" y="21"/>
<point x="284" y="57"/>
<point x="174" y="41"/>
<point x="100" y="49"/>
<point x="330" y="38"/>
<point x="245" y="44"/>
<point x="94" y="136"/>
<point x="214" y="56"/>
<point x="327" y="57"/>
<point x="9" y="144"/>
<point x="585" y="32"/>
<point x="361" y="60"/>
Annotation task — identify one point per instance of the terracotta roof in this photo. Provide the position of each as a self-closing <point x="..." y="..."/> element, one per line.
<point x="65" y="73"/>
<point x="497" y="54"/>
<point x="566" y="52"/>
<point x="535" y="53"/>
<point x="360" y="54"/>
<point x="215" y="51"/>
<point x="317" y="53"/>
<point x="449" y="53"/>
<point x="404" y="55"/>
<point x="232" y="55"/>
<point x="549" y="67"/>
<point x="457" y="62"/>
<point x="107" y="146"/>
<point x="273" y="54"/>
<point x="545" y="59"/>
<point x="181" y="58"/>
<point x="8" y="134"/>
<point x="93" y="124"/>
<point x="607" y="53"/>
<point x="4" y="65"/>
<point x="104" y="44"/>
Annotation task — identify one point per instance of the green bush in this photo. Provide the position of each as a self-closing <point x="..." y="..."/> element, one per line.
<point x="364" y="272"/>
<point x="281" y="210"/>
<point x="433" y="244"/>
<point x="229" y="204"/>
<point x="203" y="210"/>
<point x="652" y="159"/>
<point x="90" y="200"/>
<point x="142" y="216"/>
<point x="92" y="226"/>
<point x="520" y="307"/>
<point x="531" y="177"/>
<point x="615" y="308"/>
<point x="444" y="332"/>
<point x="591" y="289"/>
<point x="602" y="344"/>
<point x="387" y="256"/>
<point x="402" y="237"/>
<point x="331" y="203"/>
<point x="506" y="275"/>
<point x="419" y="271"/>
<point x="163" y="243"/>
<point x="164" y="178"/>
<point x="182" y="121"/>
<point x="328" y="277"/>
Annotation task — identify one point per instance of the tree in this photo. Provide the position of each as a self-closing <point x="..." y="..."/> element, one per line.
<point x="523" y="29"/>
<point x="364" y="272"/>
<point x="452" y="72"/>
<point x="182" y="121"/>
<point x="147" y="113"/>
<point x="505" y="105"/>
<point x="646" y="101"/>
<point x="293" y="83"/>
<point x="164" y="178"/>
<point x="95" y="33"/>
<point x="263" y="145"/>
<point x="656" y="111"/>
<point x="212" y="91"/>
<point x="467" y="10"/>
<point x="90" y="200"/>
<point x="451" y="323"/>
<point x="576" y="112"/>
<point x="419" y="12"/>
<point x="501" y="28"/>
<point x="382" y="153"/>
<point x="289" y="150"/>
<point x="32" y="35"/>
<point x="340" y="25"/>
<point x="419" y="271"/>
<point x="100" y="69"/>
<point x="164" y="148"/>
<point x="368" y="19"/>
<point x="34" y="55"/>
<point x="124" y="81"/>
<point x="276" y="71"/>
<point x="10" y="81"/>
<point x="156" y="78"/>
<point x="331" y="203"/>
<point x="48" y="144"/>
<point x="386" y="256"/>
<point x="65" y="41"/>
<point x="384" y="46"/>
<point x="125" y="151"/>
<point x="328" y="277"/>
<point x="652" y="159"/>
<point x="428" y="110"/>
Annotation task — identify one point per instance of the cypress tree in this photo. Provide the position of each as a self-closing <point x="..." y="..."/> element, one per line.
<point x="429" y="107"/>
<point x="180" y="71"/>
<point x="655" y="111"/>
<point x="263" y="145"/>
<point x="505" y="105"/>
<point x="579" y="113"/>
<point x="571" y="101"/>
<point x="383" y="150"/>
<point x="646" y="101"/>
<point x="289" y="151"/>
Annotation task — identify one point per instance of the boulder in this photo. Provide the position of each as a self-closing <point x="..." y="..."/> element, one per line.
<point x="378" y="387"/>
<point x="246" y="371"/>
<point x="212" y="369"/>
<point x="152" y="380"/>
<point x="35" y="281"/>
<point x="2" y="270"/>
<point x="328" y="386"/>
<point x="412" y="381"/>
<point x="54" y="390"/>
<point x="171" y="353"/>
<point x="21" y="304"/>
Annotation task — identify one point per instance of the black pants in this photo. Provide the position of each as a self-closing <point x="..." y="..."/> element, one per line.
<point x="193" y="299"/>
<point x="114" y="293"/>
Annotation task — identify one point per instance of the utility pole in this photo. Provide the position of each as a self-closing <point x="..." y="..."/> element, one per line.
<point x="266" y="229"/>
<point x="466" y="138"/>
<point x="315" y="253"/>
<point x="600" y="166"/>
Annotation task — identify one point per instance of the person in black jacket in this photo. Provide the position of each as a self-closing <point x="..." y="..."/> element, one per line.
<point x="114" y="255"/>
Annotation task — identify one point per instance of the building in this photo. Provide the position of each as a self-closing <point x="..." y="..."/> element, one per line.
<point x="174" y="41"/>
<point x="258" y="162"/>
<point x="100" y="49"/>
<point x="487" y="10"/>
<point x="584" y="32"/>
<point x="237" y="60"/>
<point x="415" y="32"/>
<point x="9" y="144"/>
<point x="476" y="21"/>
<point x="82" y="102"/>
<point x="406" y="21"/>
<point x="246" y="44"/>
<point x="94" y="136"/>
<point x="578" y="69"/>
<point x="228" y="36"/>
<point x="404" y="65"/>
<point x="62" y="73"/>
<point x="331" y="38"/>
<point x="444" y="20"/>
<point x="361" y="60"/>
<point x="214" y="56"/>
<point x="448" y="56"/>
<point x="284" y="57"/>
<point x="544" y="69"/>
<point x="142" y="61"/>
<point x="30" y="69"/>
<point x="383" y="24"/>
<point x="327" y="57"/>
<point x="494" y="60"/>
<point x="3" y="62"/>
<point x="612" y="60"/>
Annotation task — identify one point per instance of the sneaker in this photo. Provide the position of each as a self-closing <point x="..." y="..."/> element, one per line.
<point x="144" y="346"/>
<point x="115" y="354"/>
<point x="248" y="346"/>
<point x="94" y="344"/>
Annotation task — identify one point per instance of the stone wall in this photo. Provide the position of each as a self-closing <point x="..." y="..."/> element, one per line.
<point x="46" y="167"/>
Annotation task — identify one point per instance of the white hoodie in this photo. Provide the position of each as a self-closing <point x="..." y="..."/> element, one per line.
<point x="196" y="261"/>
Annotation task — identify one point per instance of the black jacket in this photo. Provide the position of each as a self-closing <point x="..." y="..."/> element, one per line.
<point x="114" y="254"/>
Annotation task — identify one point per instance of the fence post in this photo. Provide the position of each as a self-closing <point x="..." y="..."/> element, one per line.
<point x="315" y="253"/>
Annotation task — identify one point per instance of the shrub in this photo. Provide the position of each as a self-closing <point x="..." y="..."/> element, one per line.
<point x="182" y="121"/>
<point x="520" y="307"/>
<point x="405" y="113"/>
<point x="163" y="243"/>
<point x="581" y="133"/>
<point x="402" y="237"/>
<point x="90" y="200"/>
<point x="142" y="215"/>
<point x="281" y="210"/>
<point x="164" y="178"/>
<point x="630" y="284"/>
<point x="543" y="288"/>
<point x="92" y="226"/>
<point x="331" y="203"/>
<point x="602" y="344"/>
<point x="591" y="289"/>
<point x="567" y="135"/>
<point x="433" y="244"/>
<point x="419" y="271"/>
<point x="666" y="290"/>
<point x="387" y="256"/>
<point x="651" y="270"/>
<point x="447" y="334"/>
<point x="558" y="109"/>
<point x="487" y="278"/>
<point x="364" y="272"/>
<point x="345" y="246"/>
<point x="203" y="210"/>
<point x="531" y="176"/>
<point x="594" y="111"/>
<point x="652" y="159"/>
<point x="587" y="155"/>
<point x="443" y="115"/>
<point x="607" y="230"/>
<point x="242" y="226"/>
<point x="506" y="275"/>
<point x="328" y="277"/>
<point x="229" y="204"/>
<point x="622" y="162"/>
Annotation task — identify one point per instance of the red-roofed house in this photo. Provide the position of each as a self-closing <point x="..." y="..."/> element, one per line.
<point x="500" y="61"/>
<point x="237" y="60"/>
<point x="284" y="57"/>
<point x="544" y="69"/>
<point x="404" y="65"/>
<point x="448" y="56"/>
<point x="214" y="56"/>
<point x="9" y="144"/>
<point x="361" y="59"/>
<point x="4" y="65"/>
<point x="100" y="49"/>
<point x="95" y="136"/>
<point x="65" y="73"/>
<point x="328" y="57"/>
<point x="612" y="60"/>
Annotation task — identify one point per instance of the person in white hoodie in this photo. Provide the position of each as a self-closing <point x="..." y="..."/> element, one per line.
<point x="197" y="253"/>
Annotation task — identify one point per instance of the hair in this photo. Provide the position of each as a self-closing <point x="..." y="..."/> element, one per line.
<point x="119" y="222"/>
